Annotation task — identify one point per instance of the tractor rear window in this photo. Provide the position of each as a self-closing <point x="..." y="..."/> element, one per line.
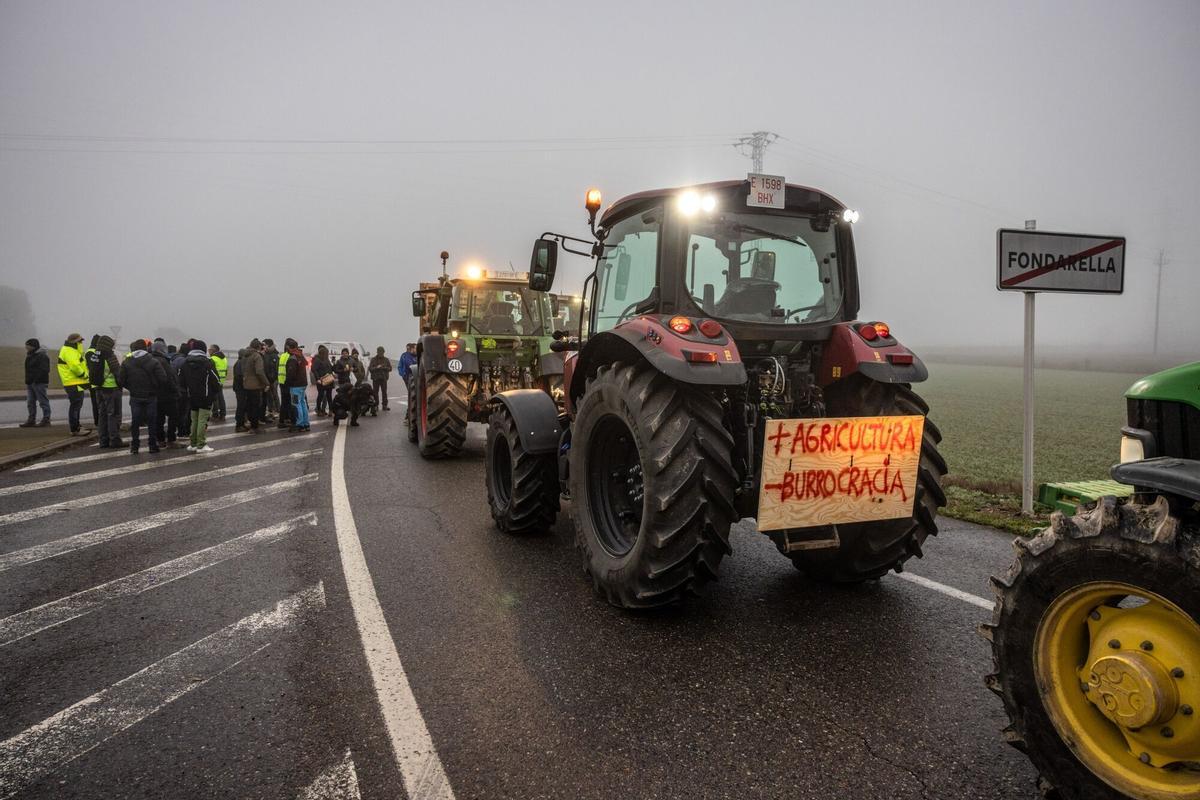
<point x="764" y="268"/>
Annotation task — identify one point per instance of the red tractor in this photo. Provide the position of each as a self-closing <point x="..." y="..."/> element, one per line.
<point x="711" y="313"/>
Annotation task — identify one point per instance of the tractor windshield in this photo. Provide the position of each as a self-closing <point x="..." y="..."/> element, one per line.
<point x="499" y="310"/>
<point x="765" y="268"/>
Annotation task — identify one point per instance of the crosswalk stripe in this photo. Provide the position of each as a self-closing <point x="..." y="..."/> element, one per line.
<point x="35" y="620"/>
<point x="338" y="782"/>
<point x="124" y="453"/>
<point x="73" y="480"/>
<point x="122" y="494"/>
<point x="78" y="729"/>
<point x="69" y="544"/>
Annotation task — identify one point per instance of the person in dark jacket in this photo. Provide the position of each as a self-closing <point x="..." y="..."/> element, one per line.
<point x="37" y="382"/>
<point x="254" y="382"/>
<point x="343" y="368"/>
<point x="183" y="410"/>
<point x="143" y="377"/>
<point x="166" y="422"/>
<point x="296" y="383"/>
<point x="356" y="366"/>
<point x="93" y="391"/>
<point x="322" y="366"/>
<point x="380" y="368"/>
<point x="270" y="358"/>
<point x="103" y="372"/>
<point x="200" y="379"/>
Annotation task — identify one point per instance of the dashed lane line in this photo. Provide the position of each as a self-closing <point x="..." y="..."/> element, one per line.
<point x="80" y="728"/>
<point x="124" y="453"/>
<point x="80" y="503"/>
<point x="949" y="591"/>
<point x="339" y="782"/>
<point x="417" y="759"/>
<point x="69" y="544"/>
<point x="35" y="620"/>
<point x="74" y="480"/>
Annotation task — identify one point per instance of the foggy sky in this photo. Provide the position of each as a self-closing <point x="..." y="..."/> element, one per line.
<point x="293" y="169"/>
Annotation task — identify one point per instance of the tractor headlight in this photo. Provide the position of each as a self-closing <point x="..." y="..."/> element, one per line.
<point x="1131" y="450"/>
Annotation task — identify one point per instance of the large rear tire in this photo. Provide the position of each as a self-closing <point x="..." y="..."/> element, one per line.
<point x="869" y="550"/>
<point x="442" y="402"/>
<point x="652" y="485"/>
<point x="522" y="487"/>
<point x="1096" y="645"/>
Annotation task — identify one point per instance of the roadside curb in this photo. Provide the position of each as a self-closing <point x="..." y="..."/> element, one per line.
<point x="13" y="460"/>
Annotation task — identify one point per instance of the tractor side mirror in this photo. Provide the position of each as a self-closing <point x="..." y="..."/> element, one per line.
<point x="419" y="306"/>
<point x="709" y="301"/>
<point x="542" y="265"/>
<point x="621" y="289"/>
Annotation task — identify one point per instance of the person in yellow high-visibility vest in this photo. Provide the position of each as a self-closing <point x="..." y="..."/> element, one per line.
<point x="285" y="400"/>
<point x="221" y="366"/>
<point x="72" y="370"/>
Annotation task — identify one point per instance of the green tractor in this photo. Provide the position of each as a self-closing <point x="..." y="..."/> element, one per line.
<point x="1096" y="630"/>
<point x="481" y="334"/>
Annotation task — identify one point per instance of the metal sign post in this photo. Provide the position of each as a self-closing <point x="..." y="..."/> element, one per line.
<point x="1027" y="429"/>
<point x="1030" y="261"/>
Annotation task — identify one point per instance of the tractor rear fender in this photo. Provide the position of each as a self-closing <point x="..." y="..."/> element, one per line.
<point x="882" y="359"/>
<point x="431" y="352"/>
<point x="680" y="359"/>
<point x="1173" y="476"/>
<point x="536" y="418"/>
<point x="550" y="364"/>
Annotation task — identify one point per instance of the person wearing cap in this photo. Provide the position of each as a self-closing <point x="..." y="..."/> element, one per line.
<point x="254" y="384"/>
<point x="200" y="379"/>
<point x="73" y="372"/>
<point x="104" y="372"/>
<point x="356" y="366"/>
<point x="143" y="377"/>
<point x="37" y="381"/>
<point x="221" y="366"/>
<point x="380" y="368"/>
<point x="296" y="381"/>
<point x="166" y="422"/>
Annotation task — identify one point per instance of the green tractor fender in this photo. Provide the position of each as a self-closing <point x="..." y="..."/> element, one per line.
<point x="431" y="353"/>
<point x="1172" y="476"/>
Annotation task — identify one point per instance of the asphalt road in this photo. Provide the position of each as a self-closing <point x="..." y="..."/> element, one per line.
<point x="198" y="628"/>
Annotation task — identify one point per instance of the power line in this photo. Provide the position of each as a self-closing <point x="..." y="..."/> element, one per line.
<point x="50" y="137"/>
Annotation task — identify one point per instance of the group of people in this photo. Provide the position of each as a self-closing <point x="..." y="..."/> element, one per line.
<point x="174" y="392"/>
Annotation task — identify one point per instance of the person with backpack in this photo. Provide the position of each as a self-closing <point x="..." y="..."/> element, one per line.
<point x="166" y="422"/>
<point x="143" y="377"/>
<point x="103" y="372"/>
<point x="200" y="378"/>
<point x="37" y="380"/>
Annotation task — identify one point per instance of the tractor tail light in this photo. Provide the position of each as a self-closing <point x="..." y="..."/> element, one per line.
<point x="452" y="348"/>
<point x="868" y="332"/>
<point x="680" y="324"/>
<point x="900" y="358"/>
<point x="700" y="358"/>
<point x="710" y="328"/>
<point x="883" y="330"/>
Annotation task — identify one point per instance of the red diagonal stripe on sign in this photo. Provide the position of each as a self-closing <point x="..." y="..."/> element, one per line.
<point x="1066" y="262"/>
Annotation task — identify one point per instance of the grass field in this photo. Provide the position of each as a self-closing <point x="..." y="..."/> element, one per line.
<point x="1078" y="417"/>
<point x="12" y="369"/>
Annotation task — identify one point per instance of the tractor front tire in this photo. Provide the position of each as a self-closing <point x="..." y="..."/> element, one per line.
<point x="868" y="550"/>
<point x="1096" y="646"/>
<point x="522" y="487"/>
<point x="442" y="406"/>
<point x="652" y="485"/>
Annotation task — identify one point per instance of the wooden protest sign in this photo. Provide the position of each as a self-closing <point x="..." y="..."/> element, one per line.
<point x="835" y="470"/>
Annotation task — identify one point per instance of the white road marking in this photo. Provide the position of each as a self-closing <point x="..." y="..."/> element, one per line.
<point x="123" y="453"/>
<point x="949" y="591"/>
<point x="79" y="541"/>
<point x="73" y="480"/>
<point x="420" y="768"/>
<point x="36" y="620"/>
<point x="339" y="782"/>
<point x="80" y="503"/>
<point x="78" y="729"/>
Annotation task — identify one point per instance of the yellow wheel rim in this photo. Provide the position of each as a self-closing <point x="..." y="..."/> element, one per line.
<point x="1118" y="669"/>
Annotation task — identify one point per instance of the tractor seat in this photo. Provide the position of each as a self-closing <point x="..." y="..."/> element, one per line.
<point x="748" y="297"/>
